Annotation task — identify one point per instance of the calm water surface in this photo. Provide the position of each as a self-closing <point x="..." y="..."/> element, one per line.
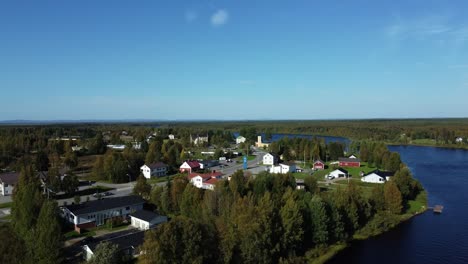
<point x="427" y="238"/>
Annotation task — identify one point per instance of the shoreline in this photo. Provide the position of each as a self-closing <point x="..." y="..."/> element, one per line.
<point x="464" y="147"/>
<point x="335" y="249"/>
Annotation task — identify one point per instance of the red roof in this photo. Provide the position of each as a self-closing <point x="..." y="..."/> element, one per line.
<point x="211" y="181"/>
<point x="192" y="164"/>
<point x="205" y="176"/>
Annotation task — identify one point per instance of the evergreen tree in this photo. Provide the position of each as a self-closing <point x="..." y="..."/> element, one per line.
<point x="42" y="161"/>
<point x="320" y="220"/>
<point x="47" y="235"/>
<point x="12" y="248"/>
<point x="393" y="200"/>
<point x="292" y="223"/>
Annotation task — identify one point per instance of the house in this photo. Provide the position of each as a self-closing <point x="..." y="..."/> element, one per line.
<point x="189" y="166"/>
<point x="205" y="164"/>
<point x="377" y="176"/>
<point x="157" y="169"/>
<point x="95" y="213"/>
<point x="8" y="181"/>
<point x="349" y="162"/>
<point x="352" y="156"/>
<point x="240" y="139"/>
<point x="318" y="165"/>
<point x="127" y="244"/>
<point x="116" y="147"/>
<point x="204" y="180"/>
<point x="260" y="144"/>
<point x="338" y="173"/>
<point x="199" y="140"/>
<point x="269" y="159"/>
<point x="171" y="137"/>
<point x="283" y="168"/>
<point x="145" y="220"/>
<point x="459" y="140"/>
<point x="300" y="185"/>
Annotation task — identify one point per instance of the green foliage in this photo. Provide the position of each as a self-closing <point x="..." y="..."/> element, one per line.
<point x="47" y="235"/>
<point x="41" y="162"/>
<point x="105" y="253"/>
<point x="142" y="188"/>
<point x="70" y="183"/>
<point x="393" y="200"/>
<point x="181" y="240"/>
<point x="12" y="249"/>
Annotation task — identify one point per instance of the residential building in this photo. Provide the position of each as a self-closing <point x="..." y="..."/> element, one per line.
<point x="338" y="173"/>
<point x="127" y="244"/>
<point x="157" y="169"/>
<point x="300" y="185"/>
<point x="319" y="165"/>
<point x="240" y="139"/>
<point x="199" y="140"/>
<point x="189" y="166"/>
<point x="206" y="164"/>
<point x="204" y="180"/>
<point x="8" y="182"/>
<point x="459" y="140"/>
<point x="377" y="176"/>
<point x="95" y="213"/>
<point x="145" y="220"/>
<point x="260" y="143"/>
<point x="270" y="159"/>
<point x="171" y="137"/>
<point x="283" y="168"/>
<point x="116" y="147"/>
<point x="352" y="156"/>
<point x="349" y="162"/>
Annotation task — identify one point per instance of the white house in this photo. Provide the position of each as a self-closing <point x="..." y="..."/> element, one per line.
<point x="95" y="213"/>
<point x="205" y="181"/>
<point x="338" y="173"/>
<point x="157" y="169"/>
<point x="189" y="166"/>
<point x="199" y="140"/>
<point x="145" y="220"/>
<point x="269" y="159"/>
<point x="377" y="176"/>
<point x="171" y="137"/>
<point x="459" y="140"/>
<point x="127" y="245"/>
<point x="240" y="139"/>
<point x="7" y="182"/>
<point x="283" y="168"/>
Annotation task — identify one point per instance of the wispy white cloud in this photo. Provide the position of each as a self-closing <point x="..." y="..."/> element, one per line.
<point x="219" y="18"/>
<point x="421" y="27"/>
<point x="190" y="16"/>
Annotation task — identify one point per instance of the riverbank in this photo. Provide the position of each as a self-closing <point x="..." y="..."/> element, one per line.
<point x="416" y="207"/>
<point x="447" y="146"/>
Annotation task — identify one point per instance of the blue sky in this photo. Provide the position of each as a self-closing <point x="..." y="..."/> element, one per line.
<point x="218" y="59"/>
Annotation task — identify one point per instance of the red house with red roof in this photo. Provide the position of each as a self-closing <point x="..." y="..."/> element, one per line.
<point x="189" y="166"/>
<point x="349" y="162"/>
<point x="319" y="165"/>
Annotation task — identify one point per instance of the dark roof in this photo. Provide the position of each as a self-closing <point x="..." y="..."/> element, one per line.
<point x="157" y="165"/>
<point x="123" y="242"/>
<point x="289" y="163"/>
<point x="145" y="215"/>
<point x="349" y="160"/>
<point x="10" y="177"/>
<point x="104" y="204"/>
<point x="382" y="173"/>
<point x="342" y="170"/>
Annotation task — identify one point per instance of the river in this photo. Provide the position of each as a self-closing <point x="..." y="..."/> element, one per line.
<point x="428" y="238"/>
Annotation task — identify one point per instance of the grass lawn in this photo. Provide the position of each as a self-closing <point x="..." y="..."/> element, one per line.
<point x="74" y="234"/>
<point x="424" y="141"/>
<point x="159" y="179"/>
<point x="357" y="182"/>
<point x="249" y="158"/>
<point x="6" y="205"/>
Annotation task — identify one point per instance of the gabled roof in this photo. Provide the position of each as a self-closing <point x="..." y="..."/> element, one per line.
<point x="192" y="163"/>
<point x="145" y="215"/>
<point x="10" y="178"/>
<point x="340" y="169"/>
<point x="205" y="176"/>
<point x="349" y="160"/>
<point x="104" y="204"/>
<point x="239" y="137"/>
<point x="319" y="160"/>
<point x="156" y="165"/>
<point x="211" y="181"/>
<point x="382" y="174"/>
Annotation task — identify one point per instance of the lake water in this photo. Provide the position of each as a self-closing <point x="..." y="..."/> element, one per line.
<point x="427" y="238"/>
